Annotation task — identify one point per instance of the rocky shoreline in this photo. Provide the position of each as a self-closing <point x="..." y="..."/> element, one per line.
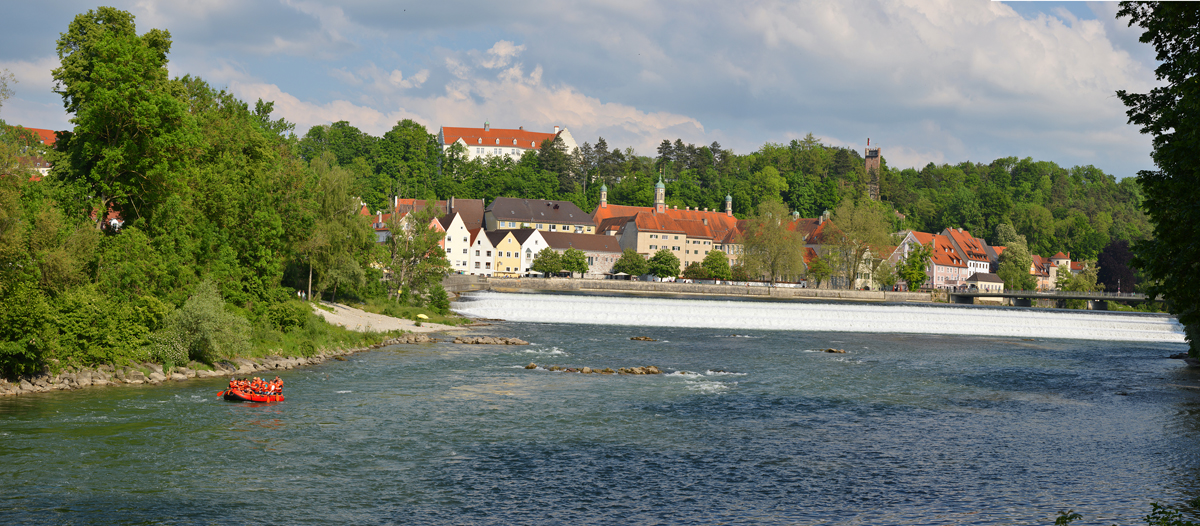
<point x="152" y="373"/>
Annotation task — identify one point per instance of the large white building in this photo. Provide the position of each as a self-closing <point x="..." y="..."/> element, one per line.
<point x="485" y="141"/>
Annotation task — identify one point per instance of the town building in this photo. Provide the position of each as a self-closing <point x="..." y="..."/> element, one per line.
<point x="457" y="242"/>
<point x="970" y="249"/>
<point x="481" y="254"/>
<point x="946" y="269"/>
<point x="985" y="282"/>
<point x="539" y="214"/>
<point x="507" y="262"/>
<point x="531" y="242"/>
<point x="601" y="251"/>
<point x="690" y="233"/>
<point x="488" y="141"/>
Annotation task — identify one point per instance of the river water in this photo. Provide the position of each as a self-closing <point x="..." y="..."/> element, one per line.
<point x="752" y="425"/>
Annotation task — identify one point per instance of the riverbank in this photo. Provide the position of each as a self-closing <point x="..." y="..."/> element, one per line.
<point x="359" y="320"/>
<point x="153" y="374"/>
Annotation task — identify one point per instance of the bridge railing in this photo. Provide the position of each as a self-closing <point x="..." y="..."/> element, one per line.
<point x="1053" y="293"/>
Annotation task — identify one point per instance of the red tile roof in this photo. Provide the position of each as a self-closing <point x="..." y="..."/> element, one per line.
<point x="506" y="137"/>
<point x="972" y="247"/>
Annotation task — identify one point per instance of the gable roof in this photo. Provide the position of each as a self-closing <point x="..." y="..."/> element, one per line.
<point x="497" y="236"/>
<point x="519" y="138"/>
<point x="701" y="224"/>
<point x="523" y="234"/>
<point x="972" y="248"/>
<point x="584" y="242"/>
<point x="943" y="251"/>
<point x="985" y="277"/>
<point x="538" y="211"/>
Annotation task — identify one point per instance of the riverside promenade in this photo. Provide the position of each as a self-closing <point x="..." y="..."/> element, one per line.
<point x="459" y="283"/>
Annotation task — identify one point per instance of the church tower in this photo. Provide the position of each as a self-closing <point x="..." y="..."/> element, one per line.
<point x="603" y="195"/>
<point x="728" y="205"/>
<point x="660" y="196"/>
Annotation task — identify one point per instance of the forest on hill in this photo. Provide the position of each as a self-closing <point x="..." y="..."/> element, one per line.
<point x="1077" y="210"/>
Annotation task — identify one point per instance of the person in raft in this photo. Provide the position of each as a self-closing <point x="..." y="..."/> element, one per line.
<point x="257" y="385"/>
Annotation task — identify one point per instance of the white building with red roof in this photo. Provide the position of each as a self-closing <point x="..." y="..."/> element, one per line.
<point x="488" y="141"/>
<point x="946" y="269"/>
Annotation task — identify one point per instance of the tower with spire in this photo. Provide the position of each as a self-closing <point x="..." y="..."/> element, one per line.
<point x="603" y="195"/>
<point x="660" y="196"/>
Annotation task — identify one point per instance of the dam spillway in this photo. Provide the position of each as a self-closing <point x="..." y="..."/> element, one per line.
<point x="822" y="316"/>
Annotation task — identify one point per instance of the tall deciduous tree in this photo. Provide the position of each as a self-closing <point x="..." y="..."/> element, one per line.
<point x="631" y="263"/>
<point x="547" y="262"/>
<point x="716" y="264"/>
<point x="1015" y="261"/>
<point x="131" y="131"/>
<point x="860" y="234"/>
<point x="1167" y="113"/>
<point x="414" y="255"/>
<point x="664" y="264"/>
<point x="574" y="261"/>
<point x="771" y="249"/>
<point x="341" y="238"/>
<point x="913" y="269"/>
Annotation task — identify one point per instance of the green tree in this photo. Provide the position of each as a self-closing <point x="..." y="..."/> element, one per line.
<point x="716" y="265"/>
<point x="131" y="132"/>
<point x="631" y="263"/>
<point x="414" y="256"/>
<point x="859" y="234"/>
<point x="695" y="270"/>
<point x="819" y="271"/>
<point x="341" y="237"/>
<point x="547" y="262"/>
<point x="205" y="329"/>
<point x="1015" y="261"/>
<point x="574" y="261"/>
<point x="738" y="273"/>
<point x="913" y="270"/>
<point x="885" y="275"/>
<point x="663" y="264"/>
<point x="771" y="249"/>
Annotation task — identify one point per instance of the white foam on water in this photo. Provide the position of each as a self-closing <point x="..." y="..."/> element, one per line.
<point x="824" y="317"/>
<point x="710" y="387"/>
<point x="343" y="392"/>
<point x="553" y="351"/>
<point x="723" y="373"/>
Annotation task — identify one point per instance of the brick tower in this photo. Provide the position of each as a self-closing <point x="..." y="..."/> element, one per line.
<point x="871" y="160"/>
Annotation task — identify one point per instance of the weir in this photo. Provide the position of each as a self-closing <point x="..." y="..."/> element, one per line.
<point x="821" y="316"/>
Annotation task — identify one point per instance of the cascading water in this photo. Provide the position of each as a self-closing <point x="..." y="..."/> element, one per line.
<point x="822" y="316"/>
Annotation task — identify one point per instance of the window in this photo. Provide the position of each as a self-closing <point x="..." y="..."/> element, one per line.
<point x="653" y="236"/>
<point x="476" y="252"/>
<point x="447" y="251"/>
<point x="508" y="254"/>
<point x="528" y="254"/>
<point x="465" y="240"/>
<point x="489" y="253"/>
<point x="652" y="247"/>
<point x="476" y="264"/>
<point x="448" y="239"/>
<point x="552" y="227"/>
<point x="676" y="237"/>
<point x="541" y="227"/>
<point x="487" y="265"/>
<point x="674" y="248"/>
<point x="464" y="251"/>
<point x="589" y="261"/>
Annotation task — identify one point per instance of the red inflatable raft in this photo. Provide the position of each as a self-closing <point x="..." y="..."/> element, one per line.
<point x="254" y="390"/>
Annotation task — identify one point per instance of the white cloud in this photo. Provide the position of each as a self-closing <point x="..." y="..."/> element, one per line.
<point x="32" y="75"/>
<point x="508" y="98"/>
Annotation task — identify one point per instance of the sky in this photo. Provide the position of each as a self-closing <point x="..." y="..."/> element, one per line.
<point x="941" y="81"/>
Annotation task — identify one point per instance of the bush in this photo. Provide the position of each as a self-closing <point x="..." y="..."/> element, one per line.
<point x="288" y="315"/>
<point x="439" y="301"/>
<point x="205" y="329"/>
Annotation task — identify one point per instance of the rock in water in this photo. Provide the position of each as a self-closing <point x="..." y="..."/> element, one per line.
<point x="531" y="366"/>
<point x="643" y="339"/>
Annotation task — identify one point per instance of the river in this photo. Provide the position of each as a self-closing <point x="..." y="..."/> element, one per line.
<point x="753" y="425"/>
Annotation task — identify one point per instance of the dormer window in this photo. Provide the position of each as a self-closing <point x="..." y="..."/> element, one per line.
<point x="481" y="140"/>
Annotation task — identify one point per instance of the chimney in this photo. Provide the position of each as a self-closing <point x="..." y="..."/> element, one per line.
<point x="522" y="128"/>
<point x="486" y="126"/>
<point x="450" y="207"/>
<point x="705" y="221"/>
<point x="556" y="130"/>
